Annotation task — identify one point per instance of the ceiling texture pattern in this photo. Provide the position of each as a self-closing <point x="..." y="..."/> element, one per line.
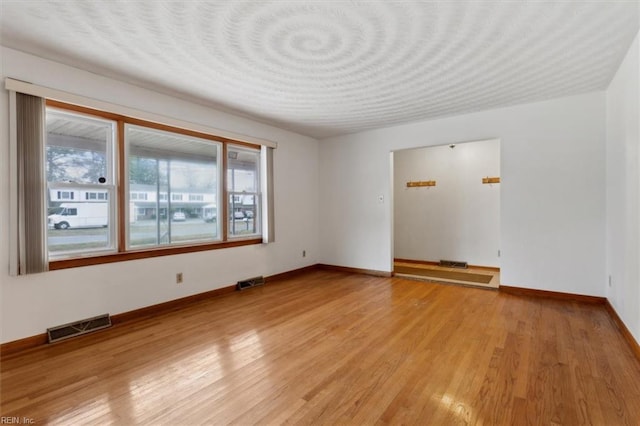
<point x="326" y="68"/>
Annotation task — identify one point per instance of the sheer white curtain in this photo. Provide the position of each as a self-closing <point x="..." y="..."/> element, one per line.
<point x="29" y="175"/>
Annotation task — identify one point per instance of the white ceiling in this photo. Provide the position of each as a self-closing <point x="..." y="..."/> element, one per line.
<point x="325" y="68"/>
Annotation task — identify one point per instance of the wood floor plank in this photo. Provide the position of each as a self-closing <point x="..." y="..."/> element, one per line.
<point x="329" y="347"/>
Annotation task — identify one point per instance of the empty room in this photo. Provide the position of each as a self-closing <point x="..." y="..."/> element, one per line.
<point x="319" y="212"/>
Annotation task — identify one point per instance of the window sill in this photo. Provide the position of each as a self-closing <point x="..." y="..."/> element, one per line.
<point x="143" y="254"/>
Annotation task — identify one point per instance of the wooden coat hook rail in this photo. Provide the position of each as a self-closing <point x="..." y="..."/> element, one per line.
<point x="419" y="183"/>
<point x="491" y="180"/>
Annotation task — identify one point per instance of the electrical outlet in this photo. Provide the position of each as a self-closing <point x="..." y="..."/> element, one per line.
<point x="304" y="253"/>
<point x="179" y="278"/>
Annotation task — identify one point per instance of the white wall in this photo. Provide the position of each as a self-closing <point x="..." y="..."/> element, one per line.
<point x="30" y="304"/>
<point x="623" y="190"/>
<point x="552" y="191"/>
<point x="459" y="218"/>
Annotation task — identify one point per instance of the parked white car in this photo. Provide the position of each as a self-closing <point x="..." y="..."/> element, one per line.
<point x="179" y="217"/>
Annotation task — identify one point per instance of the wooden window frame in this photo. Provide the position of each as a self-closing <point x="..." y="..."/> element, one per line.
<point x="120" y="158"/>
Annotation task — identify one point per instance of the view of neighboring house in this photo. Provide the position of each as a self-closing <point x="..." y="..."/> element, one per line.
<point x="145" y="200"/>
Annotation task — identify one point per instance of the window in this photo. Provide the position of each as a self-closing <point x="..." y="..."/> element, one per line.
<point x="63" y="195"/>
<point x="138" y="195"/>
<point x="175" y="164"/>
<point x="79" y="151"/>
<point x="243" y="186"/>
<point x="74" y="168"/>
<point x="171" y="196"/>
<point x="95" y="196"/>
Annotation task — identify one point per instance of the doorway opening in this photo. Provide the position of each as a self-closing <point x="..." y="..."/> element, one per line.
<point x="446" y="206"/>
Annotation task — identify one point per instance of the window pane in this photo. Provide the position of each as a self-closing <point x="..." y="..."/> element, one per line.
<point x="243" y="170"/>
<point x="173" y="187"/>
<point x="79" y="177"/>
<point x="243" y="215"/>
<point x="243" y="184"/>
<point x="77" y="148"/>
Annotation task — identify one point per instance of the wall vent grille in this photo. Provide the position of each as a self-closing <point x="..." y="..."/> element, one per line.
<point x="78" y="328"/>
<point x="453" y="264"/>
<point x="251" y="282"/>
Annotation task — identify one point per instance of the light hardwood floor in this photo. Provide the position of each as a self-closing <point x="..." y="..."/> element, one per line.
<point x="336" y="348"/>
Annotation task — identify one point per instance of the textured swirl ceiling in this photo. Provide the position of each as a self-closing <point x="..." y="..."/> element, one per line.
<point x="334" y="67"/>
